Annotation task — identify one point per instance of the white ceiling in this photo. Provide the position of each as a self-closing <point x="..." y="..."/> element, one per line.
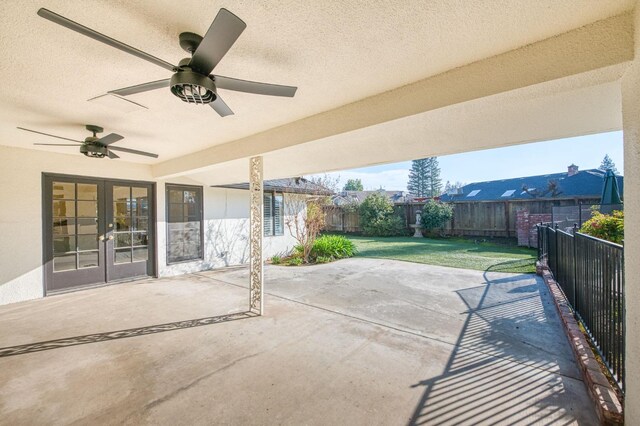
<point x="336" y="52"/>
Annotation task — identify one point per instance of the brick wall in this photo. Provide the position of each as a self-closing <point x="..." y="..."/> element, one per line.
<point x="535" y="219"/>
<point x="522" y="227"/>
<point x="526" y="227"/>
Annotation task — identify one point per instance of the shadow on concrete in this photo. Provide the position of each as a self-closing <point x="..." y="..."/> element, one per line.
<point x="121" y="334"/>
<point x="500" y="371"/>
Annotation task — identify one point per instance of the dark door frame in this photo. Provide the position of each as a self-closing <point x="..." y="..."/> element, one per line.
<point x="47" y="227"/>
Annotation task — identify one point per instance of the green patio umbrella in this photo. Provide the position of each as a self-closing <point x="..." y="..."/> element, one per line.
<point x="610" y="199"/>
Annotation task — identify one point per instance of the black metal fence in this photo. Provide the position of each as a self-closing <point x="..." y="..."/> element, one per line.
<point x="590" y="272"/>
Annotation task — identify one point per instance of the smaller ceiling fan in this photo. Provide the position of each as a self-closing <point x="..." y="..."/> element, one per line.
<point x="94" y="146"/>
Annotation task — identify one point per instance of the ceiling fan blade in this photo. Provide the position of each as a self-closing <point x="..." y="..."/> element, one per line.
<point x="132" y="151"/>
<point x="223" y="32"/>
<point x="47" y="134"/>
<point x="56" y="144"/>
<point x="112" y="155"/>
<point x="61" y="20"/>
<point x="256" y="87"/>
<point x="110" y="138"/>
<point x="144" y="87"/>
<point x="220" y="107"/>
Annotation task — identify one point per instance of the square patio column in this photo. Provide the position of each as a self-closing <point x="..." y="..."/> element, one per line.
<point x="256" y="232"/>
<point x="631" y="129"/>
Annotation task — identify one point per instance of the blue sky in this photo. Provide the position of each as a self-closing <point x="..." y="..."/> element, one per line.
<point x="501" y="163"/>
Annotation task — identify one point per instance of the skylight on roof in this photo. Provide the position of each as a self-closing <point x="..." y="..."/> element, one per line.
<point x="473" y="193"/>
<point x="528" y="190"/>
<point x="508" y="193"/>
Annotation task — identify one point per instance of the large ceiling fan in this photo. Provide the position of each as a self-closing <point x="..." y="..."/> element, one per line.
<point x="192" y="80"/>
<point x="93" y="146"/>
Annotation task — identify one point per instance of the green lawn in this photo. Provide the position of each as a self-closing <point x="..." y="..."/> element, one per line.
<point x="454" y="252"/>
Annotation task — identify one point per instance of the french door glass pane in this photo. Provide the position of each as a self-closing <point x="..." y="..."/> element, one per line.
<point x="87" y="191"/>
<point x="64" y="244"/>
<point x="64" y="208"/>
<point x="140" y="254"/>
<point x="64" y="263"/>
<point x="122" y="224"/>
<point x="123" y="239"/>
<point x="64" y="190"/>
<point x="87" y="208"/>
<point x="88" y="259"/>
<point x="141" y="224"/>
<point x="88" y="242"/>
<point x="64" y="226"/>
<point x="123" y="255"/>
<point x="88" y="225"/>
<point x="139" y="239"/>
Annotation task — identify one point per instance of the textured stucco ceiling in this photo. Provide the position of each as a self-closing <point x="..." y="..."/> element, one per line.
<point x="336" y="52"/>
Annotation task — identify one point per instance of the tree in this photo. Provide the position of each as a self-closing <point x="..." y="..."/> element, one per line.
<point x="378" y="218"/>
<point x="435" y="182"/>
<point x="451" y="186"/>
<point x="435" y="215"/>
<point x="305" y="215"/>
<point x="353" y="185"/>
<point x="607" y="163"/>
<point x="424" y="178"/>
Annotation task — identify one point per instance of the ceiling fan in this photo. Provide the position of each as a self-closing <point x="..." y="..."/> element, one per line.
<point x="92" y="146"/>
<point x="192" y="80"/>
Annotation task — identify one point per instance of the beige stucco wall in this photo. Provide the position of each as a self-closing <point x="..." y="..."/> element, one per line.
<point x="226" y="230"/>
<point x="226" y="215"/>
<point x="631" y="129"/>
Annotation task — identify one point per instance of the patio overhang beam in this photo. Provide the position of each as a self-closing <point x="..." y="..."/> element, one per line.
<point x="601" y="44"/>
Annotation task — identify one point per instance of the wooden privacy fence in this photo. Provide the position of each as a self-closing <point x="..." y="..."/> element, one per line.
<point x="482" y="219"/>
<point x="339" y="219"/>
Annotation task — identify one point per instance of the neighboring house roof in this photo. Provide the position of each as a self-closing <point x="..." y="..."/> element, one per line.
<point x="357" y="197"/>
<point x="297" y="185"/>
<point x="582" y="184"/>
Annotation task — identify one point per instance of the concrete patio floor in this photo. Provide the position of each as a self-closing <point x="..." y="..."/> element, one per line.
<point x="359" y="341"/>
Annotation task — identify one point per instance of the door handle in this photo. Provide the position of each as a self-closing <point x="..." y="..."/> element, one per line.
<point x="110" y="237"/>
<point x="101" y="238"/>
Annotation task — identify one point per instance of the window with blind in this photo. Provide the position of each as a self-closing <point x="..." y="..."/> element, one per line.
<point x="273" y="221"/>
<point x="184" y="223"/>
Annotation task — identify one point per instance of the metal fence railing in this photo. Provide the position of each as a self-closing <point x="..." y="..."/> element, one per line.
<point x="590" y="272"/>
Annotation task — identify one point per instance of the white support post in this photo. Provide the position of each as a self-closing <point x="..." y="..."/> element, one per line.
<point x="631" y="133"/>
<point x="256" y="265"/>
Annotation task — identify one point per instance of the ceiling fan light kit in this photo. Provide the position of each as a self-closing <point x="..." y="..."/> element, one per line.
<point x="192" y="87"/>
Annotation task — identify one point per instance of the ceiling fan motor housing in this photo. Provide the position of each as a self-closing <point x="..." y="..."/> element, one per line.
<point x="192" y="87"/>
<point x="93" y="150"/>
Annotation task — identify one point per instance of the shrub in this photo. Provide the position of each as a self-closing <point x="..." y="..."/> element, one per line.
<point x="306" y="228"/>
<point x="605" y="226"/>
<point x="435" y="214"/>
<point x="294" y="261"/>
<point x="332" y="247"/>
<point x="276" y="260"/>
<point x="323" y="259"/>
<point x="378" y="219"/>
